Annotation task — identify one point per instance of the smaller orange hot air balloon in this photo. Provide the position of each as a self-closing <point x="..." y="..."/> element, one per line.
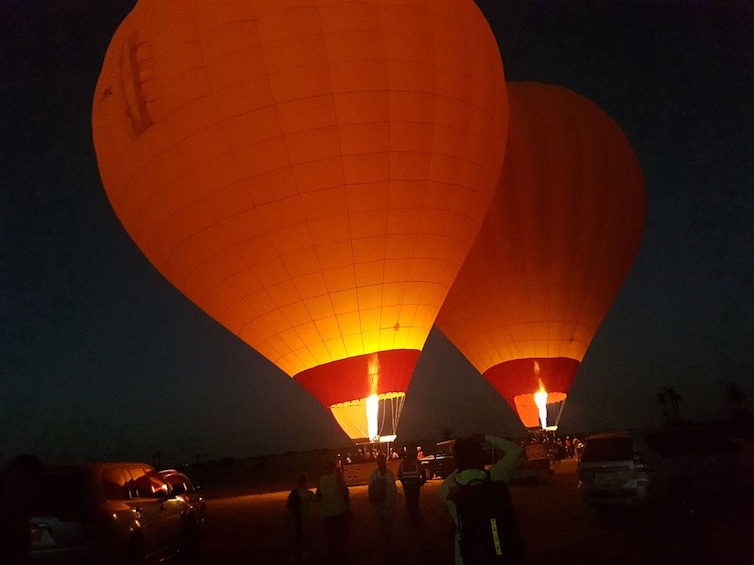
<point x="556" y="245"/>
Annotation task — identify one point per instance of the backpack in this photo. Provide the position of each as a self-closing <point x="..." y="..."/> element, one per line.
<point x="377" y="490"/>
<point x="487" y="525"/>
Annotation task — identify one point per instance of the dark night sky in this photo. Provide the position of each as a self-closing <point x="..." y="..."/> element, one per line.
<point x="101" y="358"/>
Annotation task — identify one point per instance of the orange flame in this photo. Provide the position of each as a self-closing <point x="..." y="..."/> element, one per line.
<point x="373" y="403"/>
<point x="540" y="399"/>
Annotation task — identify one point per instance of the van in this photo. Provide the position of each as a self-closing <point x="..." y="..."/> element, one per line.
<point x="680" y="467"/>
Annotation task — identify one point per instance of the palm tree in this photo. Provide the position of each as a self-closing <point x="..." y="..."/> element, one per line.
<point x="670" y="403"/>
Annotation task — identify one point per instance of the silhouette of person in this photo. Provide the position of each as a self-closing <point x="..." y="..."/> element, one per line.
<point x="384" y="507"/>
<point x="411" y="476"/>
<point x="299" y="506"/>
<point x="333" y="496"/>
<point x="470" y="467"/>
<point x="419" y="452"/>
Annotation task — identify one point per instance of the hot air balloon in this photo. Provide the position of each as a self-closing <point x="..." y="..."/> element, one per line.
<point x="310" y="173"/>
<point x="558" y="241"/>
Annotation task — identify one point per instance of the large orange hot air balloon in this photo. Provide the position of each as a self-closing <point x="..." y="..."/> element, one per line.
<point x="558" y="240"/>
<point x="310" y="173"/>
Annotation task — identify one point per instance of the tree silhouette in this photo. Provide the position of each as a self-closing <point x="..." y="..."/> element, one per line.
<point x="670" y="403"/>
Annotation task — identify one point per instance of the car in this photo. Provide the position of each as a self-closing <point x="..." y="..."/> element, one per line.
<point x="683" y="469"/>
<point x="195" y="513"/>
<point x="115" y="512"/>
<point x="441" y="463"/>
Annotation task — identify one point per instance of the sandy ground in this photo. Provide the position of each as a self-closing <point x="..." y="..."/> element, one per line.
<point x="559" y="529"/>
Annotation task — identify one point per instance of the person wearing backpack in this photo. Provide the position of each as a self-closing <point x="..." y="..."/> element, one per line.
<point x="382" y="496"/>
<point x="486" y="530"/>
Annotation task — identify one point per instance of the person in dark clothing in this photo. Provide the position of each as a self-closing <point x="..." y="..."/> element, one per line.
<point x="470" y="467"/>
<point x="335" y="509"/>
<point x="299" y="506"/>
<point x="411" y="476"/>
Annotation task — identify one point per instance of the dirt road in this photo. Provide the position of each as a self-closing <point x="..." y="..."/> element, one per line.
<point x="558" y="528"/>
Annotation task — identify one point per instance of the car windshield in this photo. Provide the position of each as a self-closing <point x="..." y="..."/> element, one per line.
<point x="607" y="449"/>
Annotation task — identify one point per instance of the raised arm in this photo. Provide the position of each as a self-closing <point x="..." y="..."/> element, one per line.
<point x="503" y="470"/>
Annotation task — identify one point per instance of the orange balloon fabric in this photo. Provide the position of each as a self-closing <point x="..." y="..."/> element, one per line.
<point x="556" y="245"/>
<point x="311" y="173"/>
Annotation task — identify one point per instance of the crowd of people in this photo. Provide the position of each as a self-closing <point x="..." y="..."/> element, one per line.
<point x="368" y="455"/>
<point x="558" y="448"/>
<point x="333" y="495"/>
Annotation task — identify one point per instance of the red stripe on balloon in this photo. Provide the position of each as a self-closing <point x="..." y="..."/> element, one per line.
<point x="521" y="376"/>
<point x="349" y="379"/>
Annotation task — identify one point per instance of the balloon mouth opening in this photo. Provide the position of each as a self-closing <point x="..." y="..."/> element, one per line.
<point x="373" y="418"/>
<point x="540" y="409"/>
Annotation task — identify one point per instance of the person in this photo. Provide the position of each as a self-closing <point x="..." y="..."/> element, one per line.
<point x="19" y="485"/>
<point x="299" y="508"/>
<point x="419" y="452"/>
<point x="339" y="464"/>
<point x="382" y="496"/>
<point x="569" y="447"/>
<point x="333" y="496"/>
<point x="411" y="476"/>
<point x="470" y="467"/>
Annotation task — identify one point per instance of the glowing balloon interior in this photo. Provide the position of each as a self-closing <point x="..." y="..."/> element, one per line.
<point x="557" y="243"/>
<point x="310" y="173"/>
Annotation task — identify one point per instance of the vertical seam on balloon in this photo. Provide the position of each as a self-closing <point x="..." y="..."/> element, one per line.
<point x="198" y="201"/>
<point x="293" y="353"/>
<point x="242" y="298"/>
<point x="553" y="187"/>
<point x="427" y="182"/>
<point x="331" y="96"/>
<point x="390" y="176"/>
<point x="584" y="238"/>
<point x="217" y="226"/>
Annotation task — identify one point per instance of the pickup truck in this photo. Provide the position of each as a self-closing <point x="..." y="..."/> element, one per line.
<point x="441" y="463"/>
<point x="536" y="461"/>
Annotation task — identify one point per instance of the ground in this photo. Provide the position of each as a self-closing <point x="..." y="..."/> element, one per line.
<point x="250" y="528"/>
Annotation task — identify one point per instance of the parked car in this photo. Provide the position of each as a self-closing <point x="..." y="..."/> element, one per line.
<point x="441" y="463"/>
<point x="680" y="468"/>
<point x="195" y="512"/>
<point x="103" y="513"/>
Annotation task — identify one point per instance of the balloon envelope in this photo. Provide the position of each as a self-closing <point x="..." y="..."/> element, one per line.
<point x="309" y="173"/>
<point x="557" y="243"/>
